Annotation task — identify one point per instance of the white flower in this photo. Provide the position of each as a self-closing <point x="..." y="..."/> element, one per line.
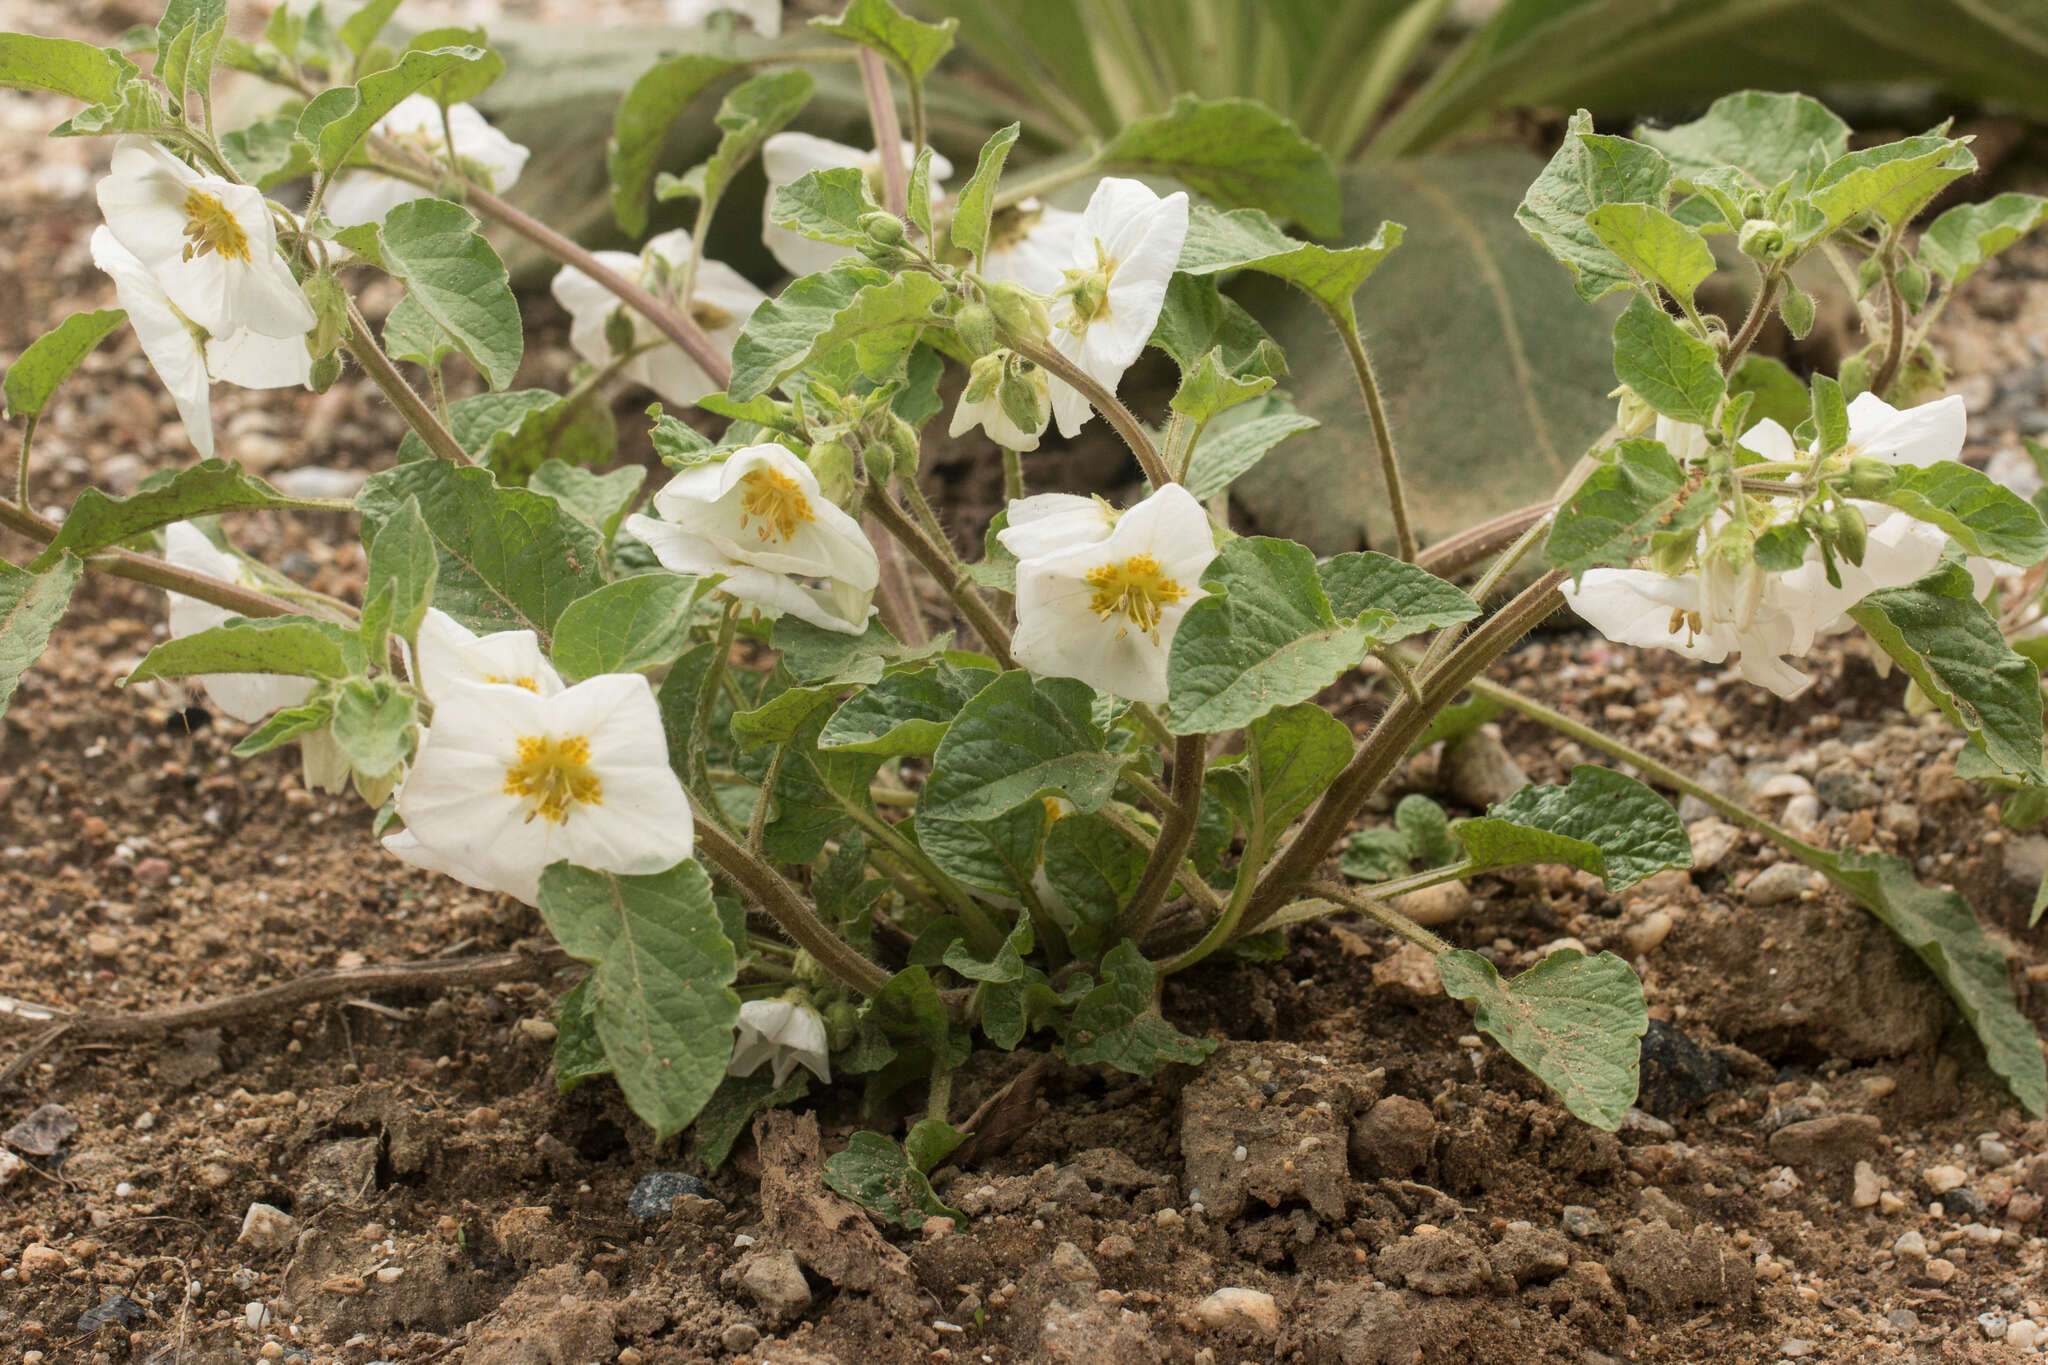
<point x="1124" y="253"/>
<point x="1032" y="246"/>
<point x="759" y="518"/>
<point x="487" y="156"/>
<point x="247" y="697"/>
<point x="208" y="242"/>
<point x="786" y="158"/>
<point x="996" y="376"/>
<point x="766" y="15"/>
<point x="721" y="302"/>
<point x="1048" y="522"/>
<point x="508" y="781"/>
<point x="184" y="357"/>
<point x="323" y="764"/>
<point x="784" y="1033"/>
<point x="1106" y="611"/>
<point x="450" y="653"/>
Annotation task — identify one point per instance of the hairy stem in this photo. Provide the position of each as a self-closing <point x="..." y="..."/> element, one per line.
<point x="1382" y="432"/>
<point x="874" y="80"/>
<point x="1454" y="554"/>
<point x="28" y="440"/>
<point x="1102" y="400"/>
<point x="783" y="904"/>
<point x="1176" y="835"/>
<point x="1381" y="912"/>
<point x="1759" y="312"/>
<point x="707" y="694"/>
<point x="362" y="345"/>
<point x="1894" y="329"/>
<point x="940" y="561"/>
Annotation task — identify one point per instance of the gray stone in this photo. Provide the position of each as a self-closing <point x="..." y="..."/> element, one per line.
<point x="656" y="1192"/>
<point x="1846" y="787"/>
<point x="267" y="1228"/>
<point x="1478" y="771"/>
<point x="1581" y="1222"/>
<point x="775" y="1281"/>
<point x="1776" y="884"/>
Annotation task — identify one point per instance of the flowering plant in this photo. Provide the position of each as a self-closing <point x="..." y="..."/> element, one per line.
<point x="801" y="785"/>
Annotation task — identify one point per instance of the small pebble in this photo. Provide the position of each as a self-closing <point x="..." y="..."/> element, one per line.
<point x="1795" y="1347"/>
<point x="1869" y="1186"/>
<point x="1240" y="1307"/>
<point x="1992" y="1151"/>
<point x="2023" y="1334"/>
<point x="1911" y="1246"/>
<point x="1942" y="1179"/>
<point x="266" y="1227"/>
<point x="1992" y="1325"/>
<point x="1890" y="1204"/>
<point x="1581" y="1222"/>
<point x="657" y="1191"/>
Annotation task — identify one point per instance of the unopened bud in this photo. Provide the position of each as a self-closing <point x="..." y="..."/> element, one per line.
<point x="1761" y="239"/>
<point x="619" y="331"/>
<point x="1870" y="477"/>
<point x="882" y="226"/>
<point x="977" y="328"/>
<point x="1852" y="533"/>
<point x="1913" y="284"/>
<point x="808" y="970"/>
<point x="1632" y="416"/>
<point x="879" y="462"/>
<point x="831" y="463"/>
<point x="1019" y="312"/>
<point x="903" y="444"/>
<point x="330" y="314"/>
<point x="1753" y="205"/>
<point x="842" y="1024"/>
<point x="326" y="369"/>
<point x="1868" y="276"/>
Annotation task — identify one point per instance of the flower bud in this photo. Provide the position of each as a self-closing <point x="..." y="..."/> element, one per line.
<point x="977" y="328"/>
<point x="620" y="332"/>
<point x="330" y="309"/>
<point x="1870" y="477"/>
<point x="1753" y="205"/>
<point x="1913" y="284"/>
<point x="1019" y="312"/>
<point x="1632" y="416"/>
<point x="326" y="369"/>
<point x="1761" y="239"/>
<point x="902" y="440"/>
<point x="842" y="1023"/>
<point x="880" y="463"/>
<point x="883" y="227"/>
<point x="1852" y="533"/>
<point x="808" y="970"/>
<point x="1091" y="296"/>
<point x="831" y="462"/>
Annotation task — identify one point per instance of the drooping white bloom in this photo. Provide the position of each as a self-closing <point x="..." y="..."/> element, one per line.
<point x="508" y="781"/>
<point x="721" y="301"/>
<point x="247" y="697"/>
<point x="759" y="518"/>
<point x="209" y="243"/>
<point x="1032" y="245"/>
<point x="765" y="15"/>
<point x="784" y="1033"/>
<point x="487" y="156"/>
<point x="184" y="357"/>
<point x="1106" y="611"/>
<point x="998" y="377"/>
<point x="1045" y="523"/>
<point x="1124" y="253"/>
<point x="787" y="158"/>
<point x="450" y="652"/>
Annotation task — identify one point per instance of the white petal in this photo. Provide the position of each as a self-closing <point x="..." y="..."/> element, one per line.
<point x="358" y="197"/>
<point x="1768" y="439"/>
<point x="1046" y="523"/>
<point x="449" y="652"/>
<point x="1634" y="607"/>
<point x="165" y="339"/>
<point x="255" y="361"/>
<point x="1921" y="435"/>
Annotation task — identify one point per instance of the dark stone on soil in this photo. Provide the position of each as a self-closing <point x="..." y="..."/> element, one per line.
<point x="1963" y="1202"/>
<point x="1393" y="1138"/>
<point x="658" y="1190"/>
<point x="1833" y="1143"/>
<point x="42" y="1132"/>
<point x="120" y="1310"/>
<point x="1677" y="1074"/>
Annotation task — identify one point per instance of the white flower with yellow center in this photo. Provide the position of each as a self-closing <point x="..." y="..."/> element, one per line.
<point x="508" y="781"/>
<point x="185" y="357"/>
<point x="721" y="301"/>
<point x="1106" y="611"/>
<point x="765" y="15"/>
<point x="759" y="518"/>
<point x="1047" y="522"/>
<point x="1124" y="253"/>
<point x="450" y="652"/>
<point x="787" y="158"/>
<point x="247" y="697"/>
<point x="1031" y="245"/>
<point x="208" y="242"/>
<point x="784" y="1033"/>
<point x="486" y="155"/>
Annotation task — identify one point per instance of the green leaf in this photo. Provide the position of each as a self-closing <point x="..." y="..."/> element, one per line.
<point x="97" y="521"/>
<point x="1779" y="394"/>
<point x="821" y="792"/>
<point x="360" y="29"/>
<point x="373" y="725"/>
<point x="31" y="604"/>
<point x="779" y="719"/>
<point x="1589" y="170"/>
<point x="1094" y="867"/>
<point x="1957" y="243"/>
<point x="1246" y="239"/>
<point x="1768" y="138"/>
<point x="574" y="429"/>
<point x="268" y="152"/>
<point x="813" y="654"/>
<point x="403" y="559"/>
<point x="1267" y="634"/>
<point x="1575" y="1021"/>
<point x="282" y="727"/>
<point x="1415" y="599"/>
<point x="296" y="646"/>
<point x="1893" y="180"/>
<point x="1209" y="389"/>
<point x="1655" y="245"/>
<point x="820" y="313"/>
<point x="999" y="856"/>
<point x="64" y="66"/>
<point x="1375" y="855"/>
<point x="1118" y="1022"/>
<point x="826" y="205"/>
<point x="1639" y="492"/>
<point x="918" y="200"/>
<point x="755" y="111"/>
<point x="478" y="420"/>
<point x="180" y="15"/>
<point x="510" y="559"/>
<point x="1290" y="757"/>
<point x="1197" y="321"/>
<point x="1940" y="927"/>
<point x="1236" y="152"/>
<point x="1782" y="548"/>
<point x="875" y="1173"/>
<point x="1670" y="369"/>
<point x="1602" y="821"/>
<point x="930" y="1141"/>
<point x="1831" y="416"/>
<point x="1946" y="641"/>
<point x="659" y="97"/>
<point x="905" y="714"/>
<point x="409" y="334"/>
<point x="1981" y="514"/>
<point x="51" y="357"/>
<point x="334" y="121"/>
<point x="629" y="626"/>
<point x="462" y="83"/>
<point x="661" y="973"/>
<point x="729" y="1113"/>
<point x="579" y="1052"/>
<point x="976" y="201"/>
<point x="1235" y="442"/>
<point x="599" y="499"/>
<point x="1425" y="831"/>
<point x="916" y="47"/>
<point x="1020" y="738"/>
<point x="434" y="248"/>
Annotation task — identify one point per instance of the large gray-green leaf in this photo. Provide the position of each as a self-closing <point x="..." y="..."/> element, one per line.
<point x="755" y="111"/>
<point x="651" y="104"/>
<point x="1246" y="239"/>
<point x="294" y="646"/>
<point x="1957" y="243"/>
<point x="1669" y="368"/>
<point x="1238" y="439"/>
<point x="1590" y="169"/>
<point x="1236" y="152"/>
<point x="51" y="357"/>
<point x="1290" y="757"/>
<point x="334" y="121"/>
<point x="629" y="626"/>
<point x="905" y="714"/>
<point x="1894" y="180"/>
<point x="1470" y="305"/>
<point x="1602" y="821"/>
<point x="1984" y="516"/>
<point x="510" y="559"/>
<point x="1948" y="643"/>
<point x="434" y="247"/>
<point x="914" y="46"/>
<point x="1767" y="137"/>
<point x="662" y="973"/>
<point x="1575" y="1021"/>
<point x="1020" y="738"/>
<point x="31" y="604"/>
<point x="63" y="66"/>
<point x="820" y="313"/>
<point x="97" y="521"/>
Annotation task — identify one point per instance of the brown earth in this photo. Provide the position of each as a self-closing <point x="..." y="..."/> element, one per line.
<point x="1399" y="1189"/>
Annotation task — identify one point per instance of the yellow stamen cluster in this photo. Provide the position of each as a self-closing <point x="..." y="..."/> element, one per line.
<point x="522" y="681"/>
<point x="553" y="776"/>
<point x="1688" y="620"/>
<point x="777" y="500"/>
<point x="210" y="226"/>
<point x="1135" y="588"/>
